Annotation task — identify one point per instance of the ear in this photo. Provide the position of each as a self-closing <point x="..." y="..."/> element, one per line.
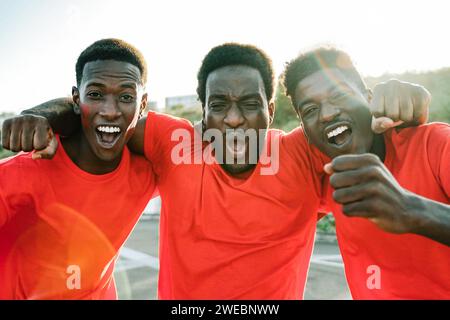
<point x="203" y="113"/>
<point x="271" y="112"/>
<point x="76" y="100"/>
<point x="143" y="104"/>
<point x="304" y="132"/>
<point x="297" y="111"/>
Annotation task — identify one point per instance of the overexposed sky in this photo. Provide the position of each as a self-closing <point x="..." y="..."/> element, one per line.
<point x="41" y="39"/>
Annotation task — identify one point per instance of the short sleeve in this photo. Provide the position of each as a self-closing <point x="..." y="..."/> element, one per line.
<point x="309" y="160"/>
<point x="3" y="209"/>
<point x="439" y="154"/>
<point x="162" y="133"/>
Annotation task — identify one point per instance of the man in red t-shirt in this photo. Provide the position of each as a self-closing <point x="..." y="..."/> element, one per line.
<point x="391" y="192"/>
<point x="63" y="221"/>
<point x="238" y="229"/>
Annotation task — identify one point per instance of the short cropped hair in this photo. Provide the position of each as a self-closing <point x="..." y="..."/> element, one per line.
<point x="230" y="54"/>
<point x="111" y="49"/>
<point x="312" y="61"/>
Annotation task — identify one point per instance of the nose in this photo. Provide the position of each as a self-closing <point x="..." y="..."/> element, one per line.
<point x="328" y="112"/>
<point x="234" y="117"/>
<point x="110" y="109"/>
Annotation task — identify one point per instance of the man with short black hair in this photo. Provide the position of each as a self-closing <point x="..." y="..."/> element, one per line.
<point x="60" y="233"/>
<point x="394" y="223"/>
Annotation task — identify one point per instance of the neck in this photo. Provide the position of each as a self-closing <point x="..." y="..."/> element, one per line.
<point x="80" y="152"/>
<point x="378" y="146"/>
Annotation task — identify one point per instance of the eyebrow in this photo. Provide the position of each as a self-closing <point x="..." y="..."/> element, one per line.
<point x="128" y="85"/>
<point x="224" y="96"/>
<point x="304" y="101"/>
<point x="338" y="85"/>
<point x="95" y="84"/>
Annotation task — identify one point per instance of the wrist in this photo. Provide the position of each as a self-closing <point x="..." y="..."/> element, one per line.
<point x="416" y="214"/>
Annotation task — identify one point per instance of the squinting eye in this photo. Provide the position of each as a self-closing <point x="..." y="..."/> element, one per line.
<point x="216" y="107"/>
<point x="251" y="105"/>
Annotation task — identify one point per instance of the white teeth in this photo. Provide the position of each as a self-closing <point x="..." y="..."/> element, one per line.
<point x="336" y="131"/>
<point x="108" y="129"/>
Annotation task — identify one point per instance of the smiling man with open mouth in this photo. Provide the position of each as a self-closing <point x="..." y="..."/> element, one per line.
<point x="63" y="220"/>
<point x="335" y="112"/>
<point x="388" y="192"/>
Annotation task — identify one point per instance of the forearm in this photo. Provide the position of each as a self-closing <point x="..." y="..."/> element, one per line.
<point x="431" y="219"/>
<point x="60" y="115"/>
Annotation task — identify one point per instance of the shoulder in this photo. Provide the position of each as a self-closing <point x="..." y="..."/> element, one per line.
<point x="430" y="133"/>
<point x="162" y="121"/>
<point x="437" y="130"/>
<point x="425" y="129"/>
<point x="141" y="170"/>
<point x="139" y="163"/>
<point x="20" y="169"/>
<point x="20" y="161"/>
<point x="296" y="143"/>
<point x="295" y="137"/>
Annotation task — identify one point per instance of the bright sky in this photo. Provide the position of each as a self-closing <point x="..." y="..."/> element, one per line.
<point x="41" y="39"/>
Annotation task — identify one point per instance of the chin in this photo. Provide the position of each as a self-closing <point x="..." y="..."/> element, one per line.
<point x="109" y="155"/>
<point x="237" y="168"/>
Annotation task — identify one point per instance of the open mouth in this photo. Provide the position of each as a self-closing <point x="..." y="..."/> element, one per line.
<point x="107" y="136"/>
<point x="339" y="135"/>
<point x="236" y="145"/>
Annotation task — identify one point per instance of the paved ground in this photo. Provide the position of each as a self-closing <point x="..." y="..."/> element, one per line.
<point x="137" y="269"/>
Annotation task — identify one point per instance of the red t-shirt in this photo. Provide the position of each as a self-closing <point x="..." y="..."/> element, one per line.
<point x="61" y="228"/>
<point x="223" y="237"/>
<point x="382" y="265"/>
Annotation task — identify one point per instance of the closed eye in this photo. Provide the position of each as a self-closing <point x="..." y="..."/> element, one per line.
<point x="217" y="106"/>
<point x="251" y="105"/>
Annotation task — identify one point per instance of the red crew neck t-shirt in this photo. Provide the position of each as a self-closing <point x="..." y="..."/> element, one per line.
<point x="224" y="237"/>
<point x="61" y="228"/>
<point x="408" y="266"/>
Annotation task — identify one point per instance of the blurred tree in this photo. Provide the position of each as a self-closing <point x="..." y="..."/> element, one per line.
<point x="5" y="153"/>
<point x="285" y="117"/>
<point x="192" y="114"/>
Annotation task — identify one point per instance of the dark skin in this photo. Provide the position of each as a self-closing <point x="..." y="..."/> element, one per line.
<point x="236" y="99"/>
<point x="110" y="95"/>
<point x="238" y="91"/>
<point x="32" y="130"/>
<point x="362" y="183"/>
